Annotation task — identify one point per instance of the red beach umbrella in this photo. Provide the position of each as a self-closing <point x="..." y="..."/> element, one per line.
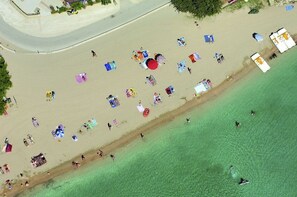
<point x="151" y="64"/>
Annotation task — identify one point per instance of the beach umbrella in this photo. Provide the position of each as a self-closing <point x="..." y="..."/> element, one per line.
<point x="59" y="133"/>
<point x="151" y="64"/>
<point x="160" y="58"/>
<point x="258" y="37"/>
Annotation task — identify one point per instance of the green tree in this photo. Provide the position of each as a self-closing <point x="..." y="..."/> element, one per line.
<point x="105" y="2"/>
<point x="199" y="8"/>
<point x="5" y="83"/>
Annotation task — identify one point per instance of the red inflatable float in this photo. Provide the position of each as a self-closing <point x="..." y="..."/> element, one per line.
<point x="146" y="112"/>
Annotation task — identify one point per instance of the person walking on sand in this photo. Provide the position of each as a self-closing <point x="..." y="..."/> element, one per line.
<point x="190" y="70"/>
<point x="109" y="126"/>
<point x="237" y="124"/>
<point x="82" y="157"/>
<point x="93" y="53"/>
<point x="141" y="135"/>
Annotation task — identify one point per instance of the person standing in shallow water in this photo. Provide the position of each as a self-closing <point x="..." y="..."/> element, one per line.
<point x="237" y="124"/>
<point x="188" y="120"/>
<point x="253" y="112"/>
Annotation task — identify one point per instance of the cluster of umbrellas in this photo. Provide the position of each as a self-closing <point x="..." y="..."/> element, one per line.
<point x="142" y="56"/>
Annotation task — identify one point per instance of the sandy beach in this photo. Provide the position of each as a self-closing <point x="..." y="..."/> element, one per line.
<point x="75" y="104"/>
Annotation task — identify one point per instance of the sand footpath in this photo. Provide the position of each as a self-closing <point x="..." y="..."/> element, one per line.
<point x="33" y="75"/>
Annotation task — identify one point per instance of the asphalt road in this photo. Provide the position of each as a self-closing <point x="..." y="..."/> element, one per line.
<point x="127" y="13"/>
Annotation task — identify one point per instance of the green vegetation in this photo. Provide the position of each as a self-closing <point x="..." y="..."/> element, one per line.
<point x="5" y="83"/>
<point x="62" y="9"/>
<point x="90" y="2"/>
<point x="198" y="8"/>
<point x="254" y="5"/>
<point x="253" y="11"/>
<point x="105" y="2"/>
<point x="78" y="5"/>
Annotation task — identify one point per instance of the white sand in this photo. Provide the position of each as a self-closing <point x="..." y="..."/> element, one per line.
<point x="33" y="75"/>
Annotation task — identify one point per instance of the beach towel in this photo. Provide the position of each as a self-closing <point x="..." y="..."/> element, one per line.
<point x="140" y="108"/>
<point x="145" y="54"/>
<point x="289" y="7"/>
<point x="208" y="38"/>
<point x="181" y="66"/>
<point x="113" y="101"/>
<point x="151" y="80"/>
<point x="110" y="66"/>
<point x="160" y="58"/>
<point x="170" y="90"/>
<point x="8" y="148"/>
<point x="181" y="41"/>
<point x="81" y="77"/>
<point x="93" y="122"/>
<point x="194" y="57"/>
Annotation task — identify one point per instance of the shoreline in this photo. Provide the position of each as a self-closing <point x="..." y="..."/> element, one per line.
<point x="91" y="155"/>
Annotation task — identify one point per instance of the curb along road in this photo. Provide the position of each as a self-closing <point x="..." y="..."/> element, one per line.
<point x="127" y="14"/>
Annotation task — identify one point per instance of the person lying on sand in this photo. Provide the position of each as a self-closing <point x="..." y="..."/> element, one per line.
<point x="75" y="164"/>
<point x="100" y="153"/>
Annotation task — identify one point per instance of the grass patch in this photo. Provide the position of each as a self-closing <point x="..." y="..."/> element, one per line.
<point x="78" y="5"/>
<point x="252" y="4"/>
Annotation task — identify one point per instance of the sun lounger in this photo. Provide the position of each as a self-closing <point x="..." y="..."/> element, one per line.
<point x="280" y="45"/>
<point x="286" y="38"/>
<point x="140" y="108"/>
<point x="202" y="86"/>
<point x="261" y="63"/>
<point x="38" y="160"/>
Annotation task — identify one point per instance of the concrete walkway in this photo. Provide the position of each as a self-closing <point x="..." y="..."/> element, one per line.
<point x="129" y="11"/>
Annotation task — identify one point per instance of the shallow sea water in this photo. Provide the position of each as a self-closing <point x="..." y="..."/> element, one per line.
<point x="193" y="159"/>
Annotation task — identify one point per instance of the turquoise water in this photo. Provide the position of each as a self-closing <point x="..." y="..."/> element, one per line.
<point x="194" y="159"/>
